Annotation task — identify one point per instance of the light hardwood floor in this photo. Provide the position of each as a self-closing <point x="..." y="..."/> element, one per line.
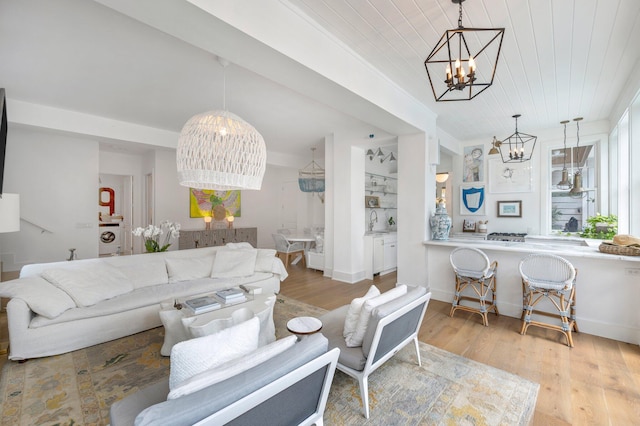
<point x="597" y="382"/>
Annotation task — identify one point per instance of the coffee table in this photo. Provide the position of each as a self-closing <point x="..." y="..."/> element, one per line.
<point x="183" y="324"/>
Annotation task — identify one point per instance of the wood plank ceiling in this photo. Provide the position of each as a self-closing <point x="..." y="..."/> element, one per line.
<point x="559" y="60"/>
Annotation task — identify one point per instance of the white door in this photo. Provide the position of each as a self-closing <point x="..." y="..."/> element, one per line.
<point x="288" y="217"/>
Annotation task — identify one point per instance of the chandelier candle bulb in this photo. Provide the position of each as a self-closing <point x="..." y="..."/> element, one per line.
<point x="472" y="66"/>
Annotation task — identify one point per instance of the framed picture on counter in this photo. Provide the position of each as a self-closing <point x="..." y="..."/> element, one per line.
<point x="469" y="225"/>
<point x="509" y="208"/>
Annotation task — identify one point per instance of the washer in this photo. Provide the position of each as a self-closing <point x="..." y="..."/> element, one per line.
<point x="109" y="239"/>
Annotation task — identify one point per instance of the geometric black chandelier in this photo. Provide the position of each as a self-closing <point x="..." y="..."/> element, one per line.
<point x="458" y="50"/>
<point x="518" y="147"/>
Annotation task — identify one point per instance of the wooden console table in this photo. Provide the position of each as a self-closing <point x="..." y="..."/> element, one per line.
<point x="217" y="237"/>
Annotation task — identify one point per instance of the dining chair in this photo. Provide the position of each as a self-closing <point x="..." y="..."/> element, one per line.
<point x="287" y="251"/>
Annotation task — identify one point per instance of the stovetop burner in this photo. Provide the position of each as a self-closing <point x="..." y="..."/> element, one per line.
<point x="507" y="236"/>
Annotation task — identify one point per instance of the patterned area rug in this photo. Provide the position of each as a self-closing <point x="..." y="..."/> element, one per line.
<point x="79" y="387"/>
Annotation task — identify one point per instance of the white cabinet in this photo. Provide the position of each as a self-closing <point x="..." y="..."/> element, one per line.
<point x="378" y="255"/>
<point x="315" y="261"/>
<point x="390" y="253"/>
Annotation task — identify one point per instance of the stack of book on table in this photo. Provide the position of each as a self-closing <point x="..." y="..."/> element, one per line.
<point x="202" y="304"/>
<point x="230" y="296"/>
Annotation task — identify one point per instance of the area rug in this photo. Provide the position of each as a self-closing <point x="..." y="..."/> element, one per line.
<point x="78" y="388"/>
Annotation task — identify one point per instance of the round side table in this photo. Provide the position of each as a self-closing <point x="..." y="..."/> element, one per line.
<point x="304" y="326"/>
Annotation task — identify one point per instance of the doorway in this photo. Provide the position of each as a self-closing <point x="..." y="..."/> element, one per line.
<point x="115" y="215"/>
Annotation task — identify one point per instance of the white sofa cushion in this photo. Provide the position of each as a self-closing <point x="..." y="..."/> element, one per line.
<point x="41" y="296"/>
<point x="234" y="263"/>
<point x="138" y="298"/>
<point x="190" y="268"/>
<point x="351" y="321"/>
<point x="91" y="283"/>
<point x="264" y="260"/>
<point x="194" y="356"/>
<point x="144" y="272"/>
<point x="357" y="337"/>
<point x="231" y="368"/>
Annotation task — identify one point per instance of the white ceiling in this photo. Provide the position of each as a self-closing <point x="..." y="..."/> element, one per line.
<point x="560" y="59"/>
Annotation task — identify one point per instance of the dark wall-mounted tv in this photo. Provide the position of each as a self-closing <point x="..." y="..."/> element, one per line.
<point x="3" y="135"/>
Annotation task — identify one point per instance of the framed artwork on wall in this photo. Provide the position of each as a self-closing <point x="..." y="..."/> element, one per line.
<point x="371" y="201"/>
<point x="472" y="199"/>
<point x="473" y="164"/>
<point x="510" y="208"/>
<point x="509" y="177"/>
<point x="208" y="202"/>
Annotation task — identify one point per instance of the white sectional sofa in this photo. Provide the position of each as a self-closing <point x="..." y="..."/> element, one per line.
<point x="64" y="306"/>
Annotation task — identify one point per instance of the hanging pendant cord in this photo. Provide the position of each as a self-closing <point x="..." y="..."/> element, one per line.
<point x="460" y="17"/>
<point x="564" y="160"/>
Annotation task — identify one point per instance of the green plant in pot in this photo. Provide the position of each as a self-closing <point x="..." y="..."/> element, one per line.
<point x="392" y="223"/>
<point x="601" y="227"/>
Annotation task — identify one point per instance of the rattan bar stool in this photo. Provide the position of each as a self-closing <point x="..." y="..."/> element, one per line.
<point x="551" y="277"/>
<point x="476" y="276"/>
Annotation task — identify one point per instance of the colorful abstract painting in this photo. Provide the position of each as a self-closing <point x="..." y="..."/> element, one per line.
<point x="207" y="202"/>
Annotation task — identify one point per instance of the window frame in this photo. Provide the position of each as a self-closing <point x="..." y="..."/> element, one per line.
<point x="596" y="193"/>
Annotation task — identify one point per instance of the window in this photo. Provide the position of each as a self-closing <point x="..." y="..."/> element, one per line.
<point x="569" y="213"/>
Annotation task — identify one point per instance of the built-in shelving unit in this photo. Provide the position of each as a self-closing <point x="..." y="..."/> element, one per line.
<point x="383" y="187"/>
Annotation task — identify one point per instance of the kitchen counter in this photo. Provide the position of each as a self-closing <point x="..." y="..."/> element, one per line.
<point x="607" y="287"/>
<point x="561" y="246"/>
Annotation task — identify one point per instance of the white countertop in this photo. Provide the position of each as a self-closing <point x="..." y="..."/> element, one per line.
<point x="562" y="246"/>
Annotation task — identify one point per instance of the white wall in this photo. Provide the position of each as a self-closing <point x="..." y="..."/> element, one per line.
<point x="56" y="176"/>
<point x="534" y="202"/>
<point x="416" y="190"/>
<point x="259" y="208"/>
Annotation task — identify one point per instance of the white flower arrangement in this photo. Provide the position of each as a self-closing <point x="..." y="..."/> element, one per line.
<point x="153" y="233"/>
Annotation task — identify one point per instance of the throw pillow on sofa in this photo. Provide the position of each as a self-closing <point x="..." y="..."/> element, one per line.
<point x="230" y="263"/>
<point x="89" y="283"/>
<point x="264" y="258"/>
<point x="40" y="295"/>
<point x="231" y="368"/>
<point x="194" y="356"/>
<point x="351" y="321"/>
<point x="357" y="337"/>
<point x="189" y="268"/>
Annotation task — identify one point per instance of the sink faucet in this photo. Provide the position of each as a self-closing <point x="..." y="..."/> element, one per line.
<point x="372" y="220"/>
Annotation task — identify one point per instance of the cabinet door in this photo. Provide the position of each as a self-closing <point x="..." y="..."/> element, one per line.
<point x="378" y="255"/>
<point x="390" y="255"/>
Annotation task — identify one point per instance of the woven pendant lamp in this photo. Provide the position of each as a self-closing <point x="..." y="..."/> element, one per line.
<point x="219" y="150"/>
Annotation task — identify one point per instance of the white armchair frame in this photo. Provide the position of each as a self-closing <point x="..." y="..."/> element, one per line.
<point x="243" y="405"/>
<point x="378" y="355"/>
